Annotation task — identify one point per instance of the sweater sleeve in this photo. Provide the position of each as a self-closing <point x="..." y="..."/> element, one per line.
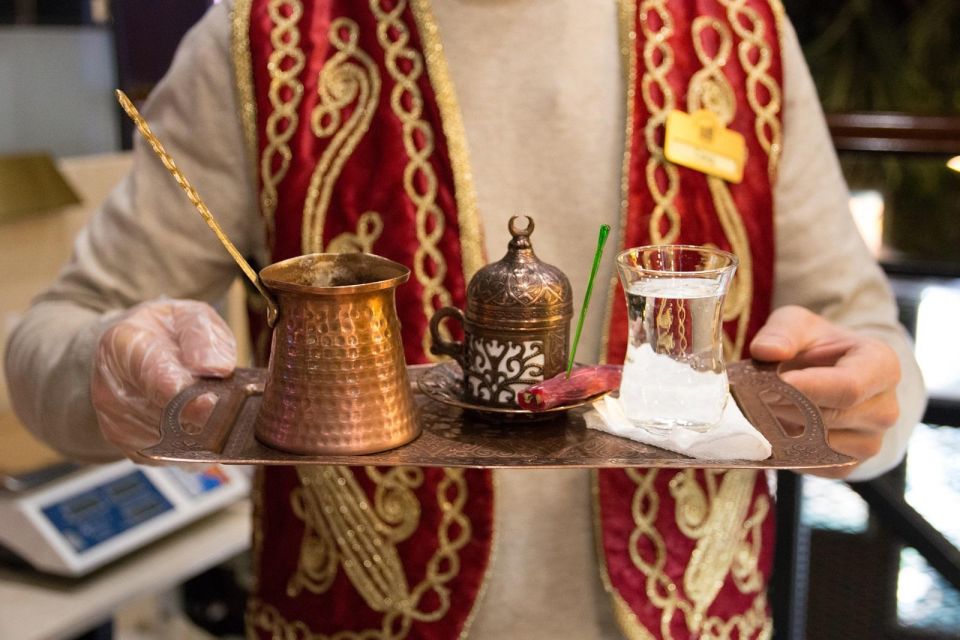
<point x="821" y="261"/>
<point x="145" y="241"/>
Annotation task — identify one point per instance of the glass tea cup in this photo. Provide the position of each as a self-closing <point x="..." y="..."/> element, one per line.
<point x="674" y="374"/>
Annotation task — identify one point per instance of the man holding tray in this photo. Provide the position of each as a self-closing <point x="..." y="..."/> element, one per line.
<point x="310" y="124"/>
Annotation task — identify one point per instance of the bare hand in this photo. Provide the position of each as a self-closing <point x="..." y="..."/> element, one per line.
<point x="852" y="378"/>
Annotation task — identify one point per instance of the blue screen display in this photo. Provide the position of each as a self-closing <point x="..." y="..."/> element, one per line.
<point x="88" y="518"/>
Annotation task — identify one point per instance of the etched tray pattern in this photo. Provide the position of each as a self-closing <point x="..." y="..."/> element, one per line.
<point x="453" y="437"/>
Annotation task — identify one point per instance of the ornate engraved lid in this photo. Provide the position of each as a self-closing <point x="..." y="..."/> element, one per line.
<point x="519" y="289"/>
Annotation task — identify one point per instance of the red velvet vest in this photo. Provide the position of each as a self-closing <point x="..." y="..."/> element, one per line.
<point x="357" y="144"/>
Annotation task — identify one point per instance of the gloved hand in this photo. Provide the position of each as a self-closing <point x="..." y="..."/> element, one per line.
<point x="147" y="356"/>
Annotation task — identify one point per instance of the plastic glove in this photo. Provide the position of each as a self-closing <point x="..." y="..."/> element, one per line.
<point x="147" y="356"/>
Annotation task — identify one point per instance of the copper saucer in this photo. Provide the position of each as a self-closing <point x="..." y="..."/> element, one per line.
<point x="444" y="383"/>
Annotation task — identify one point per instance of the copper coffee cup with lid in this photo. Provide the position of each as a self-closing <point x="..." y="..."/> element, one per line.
<point x="516" y="325"/>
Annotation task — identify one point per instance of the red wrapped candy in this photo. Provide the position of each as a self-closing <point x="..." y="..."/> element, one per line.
<point x="583" y="383"/>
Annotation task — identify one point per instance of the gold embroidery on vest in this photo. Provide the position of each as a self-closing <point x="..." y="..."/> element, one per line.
<point x="369" y="229"/>
<point x="626" y="619"/>
<point x="645" y="505"/>
<point x="767" y="124"/>
<point x="658" y="59"/>
<point x="714" y="519"/>
<point x="716" y="516"/>
<point x="349" y="76"/>
<point x="627" y="32"/>
<point x="710" y="89"/>
<point x="334" y="508"/>
<point x="471" y="233"/>
<point x="284" y="65"/>
<point x="318" y="559"/>
<point x="243" y="77"/>
<point x="405" y="66"/>
<point x="744" y="568"/>
<point x="394" y="499"/>
<point x="780" y="18"/>
<point x="364" y="535"/>
<point x="754" y="620"/>
<point x="746" y="559"/>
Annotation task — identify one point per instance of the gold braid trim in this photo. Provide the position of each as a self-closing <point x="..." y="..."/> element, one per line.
<point x="625" y="617"/>
<point x="243" y="77"/>
<point x="349" y="76"/>
<point x="331" y="502"/>
<point x="656" y="69"/>
<point x="736" y="306"/>
<point x="780" y="17"/>
<point x="362" y="539"/>
<point x="628" y="54"/>
<point x="712" y="518"/>
<point x="766" y="124"/>
<point x="485" y="581"/>
<point x="369" y="230"/>
<point x="710" y="89"/>
<point x="718" y="517"/>
<point x="471" y="232"/>
<point x="728" y="535"/>
<point x="406" y="101"/>
<point x="285" y="93"/>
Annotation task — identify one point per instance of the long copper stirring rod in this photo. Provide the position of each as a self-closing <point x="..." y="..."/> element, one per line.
<point x="194" y="197"/>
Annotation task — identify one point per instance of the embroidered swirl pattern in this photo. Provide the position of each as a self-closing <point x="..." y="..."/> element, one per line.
<point x="710" y="89"/>
<point x="369" y="229"/>
<point x="714" y="514"/>
<point x="471" y="235"/>
<point x="284" y="65"/>
<point x="658" y="58"/>
<point x="756" y="57"/>
<point x="405" y="66"/>
<point x="243" y="74"/>
<point x="364" y="537"/>
<point x="728" y="539"/>
<point x="349" y="77"/>
<point x="627" y="16"/>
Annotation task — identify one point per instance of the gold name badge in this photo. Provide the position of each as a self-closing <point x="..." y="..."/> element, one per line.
<point x="698" y="141"/>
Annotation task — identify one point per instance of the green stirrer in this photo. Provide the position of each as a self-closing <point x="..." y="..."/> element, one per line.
<point x="602" y="240"/>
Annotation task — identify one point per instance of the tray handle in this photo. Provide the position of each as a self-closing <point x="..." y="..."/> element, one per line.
<point x="232" y="393"/>
<point x="761" y="397"/>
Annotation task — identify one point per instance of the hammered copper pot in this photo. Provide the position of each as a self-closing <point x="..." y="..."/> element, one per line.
<point x="337" y="380"/>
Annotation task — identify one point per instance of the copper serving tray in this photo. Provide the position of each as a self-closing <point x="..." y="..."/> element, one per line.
<point x="454" y="437"/>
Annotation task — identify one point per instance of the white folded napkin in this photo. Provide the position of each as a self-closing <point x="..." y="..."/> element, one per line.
<point x="734" y="438"/>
